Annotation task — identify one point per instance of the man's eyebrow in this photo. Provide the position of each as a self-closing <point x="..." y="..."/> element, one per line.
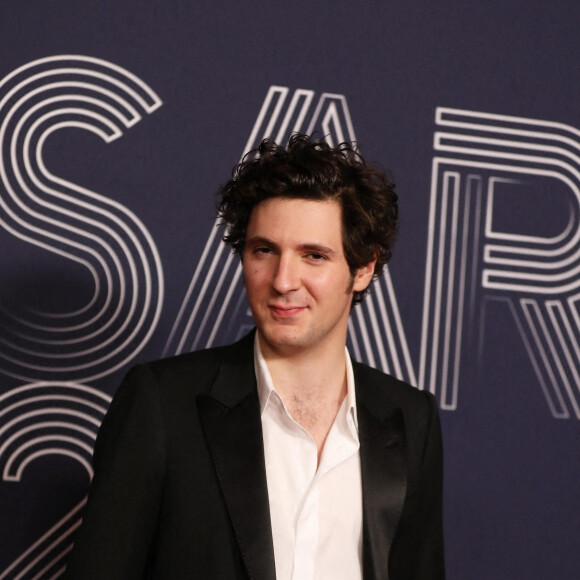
<point x="317" y="248"/>
<point x="307" y="246"/>
<point x="260" y="240"/>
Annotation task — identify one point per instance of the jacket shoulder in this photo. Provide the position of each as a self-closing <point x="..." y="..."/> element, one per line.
<point x="194" y="371"/>
<point x="384" y="391"/>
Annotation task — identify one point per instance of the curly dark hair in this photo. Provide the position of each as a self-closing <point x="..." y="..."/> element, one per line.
<point x="310" y="169"/>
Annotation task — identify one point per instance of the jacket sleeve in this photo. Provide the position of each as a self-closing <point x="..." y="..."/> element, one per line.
<point x="429" y="558"/>
<point x="120" y="517"/>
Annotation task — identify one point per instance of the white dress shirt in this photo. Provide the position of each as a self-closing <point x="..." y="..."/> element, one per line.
<point x="316" y="513"/>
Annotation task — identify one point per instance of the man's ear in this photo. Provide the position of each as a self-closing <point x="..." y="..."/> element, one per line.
<point x="363" y="276"/>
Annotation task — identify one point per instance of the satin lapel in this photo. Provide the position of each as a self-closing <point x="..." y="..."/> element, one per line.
<point x="230" y="416"/>
<point x="384" y="479"/>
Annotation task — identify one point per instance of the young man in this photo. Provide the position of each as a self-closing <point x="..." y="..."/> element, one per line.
<point x="276" y="457"/>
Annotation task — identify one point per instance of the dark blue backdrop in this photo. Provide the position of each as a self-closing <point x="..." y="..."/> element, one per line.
<point x="118" y="122"/>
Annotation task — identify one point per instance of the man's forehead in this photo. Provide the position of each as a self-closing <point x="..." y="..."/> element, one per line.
<point x="310" y="221"/>
<point x="307" y="209"/>
<point x="298" y="202"/>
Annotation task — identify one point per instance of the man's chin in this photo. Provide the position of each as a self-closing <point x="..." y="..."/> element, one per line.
<point x="283" y="339"/>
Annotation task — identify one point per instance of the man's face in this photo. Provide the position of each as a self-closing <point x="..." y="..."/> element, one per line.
<point x="297" y="279"/>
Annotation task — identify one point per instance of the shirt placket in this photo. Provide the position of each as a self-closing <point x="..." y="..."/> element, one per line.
<point x="307" y="536"/>
<point x="307" y="512"/>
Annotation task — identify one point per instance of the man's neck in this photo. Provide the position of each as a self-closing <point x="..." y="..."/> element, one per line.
<point x="312" y="385"/>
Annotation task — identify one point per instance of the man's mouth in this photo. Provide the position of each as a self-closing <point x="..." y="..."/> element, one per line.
<point x="285" y="310"/>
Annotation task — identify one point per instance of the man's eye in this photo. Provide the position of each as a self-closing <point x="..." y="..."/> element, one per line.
<point x="316" y="257"/>
<point x="262" y="250"/>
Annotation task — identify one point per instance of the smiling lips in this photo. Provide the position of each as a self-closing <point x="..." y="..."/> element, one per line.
<point x="285" y="311"/>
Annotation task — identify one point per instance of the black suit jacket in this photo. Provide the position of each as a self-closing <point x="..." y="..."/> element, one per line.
<point x="180" y="485"/>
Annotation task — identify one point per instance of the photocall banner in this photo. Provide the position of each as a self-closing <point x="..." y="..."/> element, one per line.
<point x="118" y="122"/>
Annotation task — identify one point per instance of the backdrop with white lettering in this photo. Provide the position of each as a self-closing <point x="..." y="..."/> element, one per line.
<point x="118" y="121"/>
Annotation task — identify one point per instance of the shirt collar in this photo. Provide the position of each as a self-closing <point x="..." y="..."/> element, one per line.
<point x="266" y="387"/>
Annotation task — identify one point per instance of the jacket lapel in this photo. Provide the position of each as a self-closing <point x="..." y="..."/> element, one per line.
<point x="230" y="415"/>
<point x="383" y="472"/>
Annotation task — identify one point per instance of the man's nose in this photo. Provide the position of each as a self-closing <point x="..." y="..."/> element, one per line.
<point x="287" y="275"/>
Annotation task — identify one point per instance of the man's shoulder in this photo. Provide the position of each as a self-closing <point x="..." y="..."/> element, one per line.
<point x="204" y="357"/>
<point x="198" y="367"/>
<point x="378" y="388"/>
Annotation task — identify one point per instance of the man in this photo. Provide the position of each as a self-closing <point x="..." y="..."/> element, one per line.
<point x="276" y="457"/>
